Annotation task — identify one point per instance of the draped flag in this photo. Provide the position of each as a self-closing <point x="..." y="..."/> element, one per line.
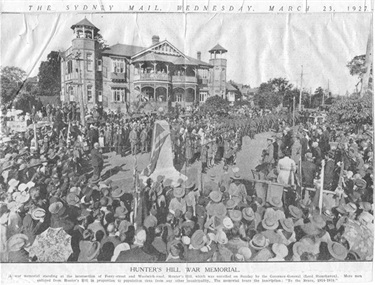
<point x="160" y="135"/>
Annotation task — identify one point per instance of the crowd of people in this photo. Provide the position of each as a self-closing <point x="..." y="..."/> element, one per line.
<point x="51" y="177"/>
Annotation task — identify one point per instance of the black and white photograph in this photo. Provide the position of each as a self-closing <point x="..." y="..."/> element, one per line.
<point x="186" y="138"/>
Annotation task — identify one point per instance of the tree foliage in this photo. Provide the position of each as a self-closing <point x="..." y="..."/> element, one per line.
<point x="215" y="104"/>
<point x="356" y="111"/>
<point x="357" y="67"/>
<point x="50" y="75"/>
<point x="12" y="80"/>
<point x="271" y="94"/>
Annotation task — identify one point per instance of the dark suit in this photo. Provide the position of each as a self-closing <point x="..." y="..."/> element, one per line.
<point x="139" y="254"/>
<point x="96" y="162"/>
<point x="308" y="173"/>
<point x="329" y="168"/>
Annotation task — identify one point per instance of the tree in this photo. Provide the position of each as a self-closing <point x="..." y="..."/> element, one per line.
<point x="317" y="98"/>
<point x="12" y="80"/>
<point x="350" y="111"/>
<point x="357" y="67"/>
<point x="271" y="94"/>
<point x="215" y="104"/>
<point x="102" y="43"/>
<point x="49" y="83"/>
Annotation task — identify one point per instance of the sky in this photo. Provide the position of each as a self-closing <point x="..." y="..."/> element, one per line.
<point x="260" y="46"/>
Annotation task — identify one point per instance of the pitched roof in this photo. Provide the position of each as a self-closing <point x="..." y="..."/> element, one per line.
<point x="199" y="62"/>
<point x="85" y="22"/>
<point x="176" y="60"/>
<point x="230" y="87"/>
<point x="156" y="57"/>
<point x="155" y="46"/>
<point x="217" y="48"/>
<point x="122" y="50"/>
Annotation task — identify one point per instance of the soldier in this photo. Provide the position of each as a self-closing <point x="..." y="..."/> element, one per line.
<point x="143" y="138"/>
<point x="133" y="137"/>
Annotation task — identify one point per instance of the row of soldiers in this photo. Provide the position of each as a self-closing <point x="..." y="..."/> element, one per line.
<point x="215" y="139"/>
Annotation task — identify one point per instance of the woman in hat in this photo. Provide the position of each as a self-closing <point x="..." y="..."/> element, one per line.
<point x="286" y="168"/>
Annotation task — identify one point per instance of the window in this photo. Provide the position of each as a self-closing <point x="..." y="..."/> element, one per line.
<point x="202" y="96"/>
<point x="70" y="67"/>
<point x="118" y="65"/>
<point x="71" y="93"/>
<point x="99" y="65"/>
<point x="100" y="96"/>
<point x="118" y="94"/>
<point x="178" y="97"/>
<point x="89" y="61"/>
<point x="89" y="93"/>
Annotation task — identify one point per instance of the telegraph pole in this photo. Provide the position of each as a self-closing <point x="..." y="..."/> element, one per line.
<point x="368" y="64"/>
<point x="80" y="84"/>
<point x="300" y="92"/>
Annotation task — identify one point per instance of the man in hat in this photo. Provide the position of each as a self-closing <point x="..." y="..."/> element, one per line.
<point x="96" y="162"/>
<point x="268" y="157"/>
<point x="197" y="250"/>
<point x="143" y="138"/>
<point x="309" y="170"/>
<point x="329" y="169"/>
<point x="140" y="251"/>
<point x="133" y="138"/>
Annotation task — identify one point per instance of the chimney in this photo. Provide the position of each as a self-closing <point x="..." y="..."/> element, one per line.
<point x="199" y="55"/>
<point x="155" y="40"/>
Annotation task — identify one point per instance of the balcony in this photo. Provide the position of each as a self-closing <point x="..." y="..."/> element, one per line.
<point x="152" y="77"/>
<point x="71" y="76"/>
<point x="184" y="79"/>
<point x="118" y="77"/>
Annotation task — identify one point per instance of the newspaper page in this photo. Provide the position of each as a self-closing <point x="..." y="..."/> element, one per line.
<point x="186" y="141"/>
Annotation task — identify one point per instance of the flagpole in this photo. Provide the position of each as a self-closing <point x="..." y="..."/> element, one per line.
<point x="67" y="135"/>
<point x="321" y="187"/>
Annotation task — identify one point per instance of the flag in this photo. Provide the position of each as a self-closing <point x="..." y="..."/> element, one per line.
<point x="160" y="135"/>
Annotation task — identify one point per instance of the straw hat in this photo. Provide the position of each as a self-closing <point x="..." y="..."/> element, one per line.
<point x="230" y="204"/>
<point x="17" y="242"/>
<point x="248" y="214"/>
<point x="280" y="249"/>
<point x="219" y="210"/>
<point x="259" y="242"/>
<point x="121" y="212"/>
<point x="21" y="197"/>
<point x="117" y="192"/>
<point x="72" y="199"/>
<point x="227" y="223"/>
<point x="56" y="208"/>
<point x="13" y="183"/>
<point x="350" y="207"/>
<point x="38" y="213"/>
<point x="299" y="248"/>
<point x="270" y="223"/>
<point x="216" y="196"/>
<point x="22" y="187"/>
<point x="221" y="237"/>
<point x="337" y="250"/>
<point x="287" y="225"/>
<point x="318" y="221"/>
<point x="88" y="250"/>
<point x="276" y="202"/>
<point x="235" y="215"/>
<point x="295" y="212"/>
<point x="198" y="239"/>
<point x="178" y="192"/>
<point x="245" y="252"/>
<point x="236" y="176"/>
